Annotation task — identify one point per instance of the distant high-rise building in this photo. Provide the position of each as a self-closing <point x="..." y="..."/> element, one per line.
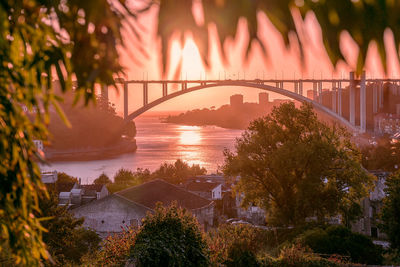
<point x="236" y="101"/>
<point x="263" y="99"/>
<point x="310" y="94"/>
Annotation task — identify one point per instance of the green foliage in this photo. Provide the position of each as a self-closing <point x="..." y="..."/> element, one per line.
<point x="178" y="172"/>
<point x="124" y="176"/>
<point x="334" y="17"/>
<point x="42" y="41"/>
<point x="116" y="248"/>
<point x="102" y="179"/>
<point x="62" y="177"/>
<point x="296" y="255"/>
<point x="235" y="243"/>
<point x="170" y="237"/>
<point x="94" y="126"/>
<point x="384" y="156"/>
<point x="295" y="166"/>
<point x="340" y="240"/>
<point x="391" y="210"/>
<point x="67" y="241"/>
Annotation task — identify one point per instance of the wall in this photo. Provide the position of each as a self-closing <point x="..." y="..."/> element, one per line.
<point x="109" y="214"/>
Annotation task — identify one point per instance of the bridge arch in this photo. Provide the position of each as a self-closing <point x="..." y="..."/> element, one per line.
<point x="256" y="85"/>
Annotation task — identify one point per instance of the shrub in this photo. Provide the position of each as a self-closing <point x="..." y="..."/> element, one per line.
<point x="170" y="237"/>
<point x="298" y="256"/>
<point x="340" y="240"/>
<point x="229" y="242"/>
<point x="116" y="248"/>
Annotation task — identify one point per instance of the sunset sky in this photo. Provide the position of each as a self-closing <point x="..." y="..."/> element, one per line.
<point x="281" y="62"/>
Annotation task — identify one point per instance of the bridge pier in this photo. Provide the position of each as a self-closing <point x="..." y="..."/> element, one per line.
<point x="145" y="93"/>
<point x="296" y="88"/>
<point x="352" y="106"/>
<point x="380" y="95"/>
<point x="340" y="98"/>
<point x="375" y="98"/>
<point x="301" y="87"/>
<point x="320" y="92"/>
<point x="184" y="85"/>
<point x="363" y="104"/>
<point x="314" y="91"/>
<point x="164" y="89"/>
<point x="334" y="97"/>
<point x="125" y="100"/>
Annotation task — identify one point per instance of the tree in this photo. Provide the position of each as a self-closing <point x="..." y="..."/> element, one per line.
<point x="391" y="210"/>
<point x="178" y="172"/>
<point x="295" y="167"/>
<point x="41" y="41"/>
<point x="170" y="237"/>
<point x="334" y="18"/>
<point x="124" y="176"/>
<point x="102" y="179"/>
<point x="45" y="40"/>
<point x="62" y="177"/>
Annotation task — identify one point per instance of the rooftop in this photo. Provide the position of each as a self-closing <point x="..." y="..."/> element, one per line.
<point x="148" y="194"/>
<point x="201" y="186"/>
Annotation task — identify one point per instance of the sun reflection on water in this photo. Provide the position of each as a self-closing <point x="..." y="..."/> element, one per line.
<point x="189" y="135"/>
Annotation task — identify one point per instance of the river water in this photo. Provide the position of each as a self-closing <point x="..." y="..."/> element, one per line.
<point x="157" y="143"/>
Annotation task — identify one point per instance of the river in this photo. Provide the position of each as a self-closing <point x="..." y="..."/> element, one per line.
<point x="157" y="143"/>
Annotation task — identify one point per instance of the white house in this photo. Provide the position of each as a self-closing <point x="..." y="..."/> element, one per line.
<point x="128" y="207"/>
<point x="209" y="190"/>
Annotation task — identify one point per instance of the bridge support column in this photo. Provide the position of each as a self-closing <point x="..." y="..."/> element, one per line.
<point x="352" y="98"/>
<point x="363" y="104"/>
<point x="301" y="87"/>
<point x="125" y="100"/>
<point x="340" y="98"/>
<point x="375" y="98"/>
<point x="278" y="84"/>
<point x="380" y="94"/>
<point x="296" y="88"/>
<point x="184" y="86"/>
<point x="145" y="94"/>
<point x="315" y="91"/>
<point x="164" y="89"/>
<point x="334" y="96"/>
<point x="320" y="92"/>
<point x="104" y="92"/>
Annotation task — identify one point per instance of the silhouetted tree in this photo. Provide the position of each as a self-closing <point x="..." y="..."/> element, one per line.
<point x="102" y="179"/>
<point x="295" y="166"/>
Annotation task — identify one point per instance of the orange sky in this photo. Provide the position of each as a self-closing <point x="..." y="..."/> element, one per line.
<point x="282" y="62"/>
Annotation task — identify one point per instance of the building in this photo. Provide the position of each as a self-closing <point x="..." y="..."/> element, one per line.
<point x="263" y="99"/>
<point x="387" y="123"/>
<point x="128" y="207"/>
<point x="253" y="214"/>
<point x="236" y="101"/>
<point x="208" y="190"/>
<point x="371" y="207"/>
<point x="95" y="191"/>
<point x="49" y="177"/>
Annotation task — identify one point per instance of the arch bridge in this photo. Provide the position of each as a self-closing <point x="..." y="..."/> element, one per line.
<point x="329" y="101"/>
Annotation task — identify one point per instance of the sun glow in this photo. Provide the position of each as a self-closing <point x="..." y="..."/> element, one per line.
<point x="189" y="58"/>
<point x="189" y="135"/>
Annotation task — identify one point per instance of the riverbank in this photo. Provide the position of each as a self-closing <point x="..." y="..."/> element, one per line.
<point x="87" y="154"/>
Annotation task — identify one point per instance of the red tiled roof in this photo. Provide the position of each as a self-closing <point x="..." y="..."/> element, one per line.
<point x="201" y="186"/>
<point x="148" y="194"/>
